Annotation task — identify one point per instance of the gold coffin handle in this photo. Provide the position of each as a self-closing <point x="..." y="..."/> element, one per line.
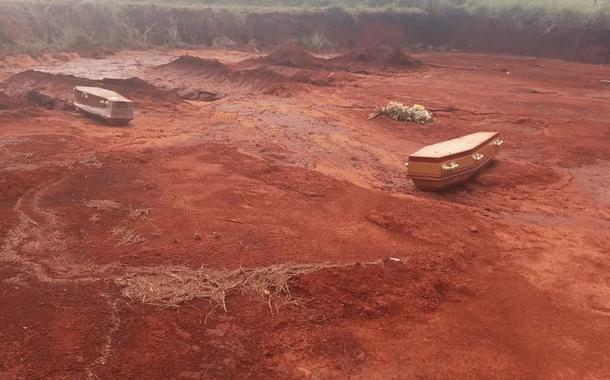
<point x="450" y="166"/>
<point x="478" y="156"/>
<point x="498" y="142"/>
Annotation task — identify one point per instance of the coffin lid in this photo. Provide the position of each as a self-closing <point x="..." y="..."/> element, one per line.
<point x="103" y="93"/>
<point x="454" y="147"/>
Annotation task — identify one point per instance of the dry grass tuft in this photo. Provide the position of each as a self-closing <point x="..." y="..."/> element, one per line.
<point x="102" y="205"/>
<point x="91" y="161"/>
<point x="175" y="286"/>
<point x="127" y="236"/>
<point x="11" y="141"/>
<point x="138" y="212"/>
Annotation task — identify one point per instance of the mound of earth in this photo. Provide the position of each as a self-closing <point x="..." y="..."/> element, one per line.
<point x="196" y="78"/>
<point x="56" y="91"/>
<point x="293" y="55"/>
<point x="137" y="88"/>
<point x="189" y="62"/>
<point x="260" y="77"/>
<point x="203" y="79"/>
<point x="52" y="91"/>
<point x="199" y="95"/>
<point x="318" y="78"/>
<point x="377" y="56"/>
<point x="8" y="103"/>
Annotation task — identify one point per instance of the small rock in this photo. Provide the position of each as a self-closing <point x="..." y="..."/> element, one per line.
<point x="474" y="229"/>
<point x="215" y="235"/>
<point x="197" y="236"/>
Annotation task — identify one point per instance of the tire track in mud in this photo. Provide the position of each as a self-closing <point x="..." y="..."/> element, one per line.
<point x="36" y="222"/>
<point x="106" y="347"/>
<point x="28" y="227"/>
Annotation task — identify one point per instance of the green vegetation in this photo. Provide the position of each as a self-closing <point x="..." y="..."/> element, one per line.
<point x="42" y="25"/>
<point x="551" y="7"/>
<point x="589" y="8"/>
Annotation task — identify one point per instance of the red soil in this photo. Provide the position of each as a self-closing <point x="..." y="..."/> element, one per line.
<point x="377" y="57"/>
<point x="188" y="73"/>
<point x="383" y="56"/>
<point x="7" y="102"/>
<point x="56" y="91"/>
<point x="293" y="55"/>
<point x="208" y="79"/>
<point x="188" y="62"/>
<point x="504" y="276"/>
<point x="205" y="79"/>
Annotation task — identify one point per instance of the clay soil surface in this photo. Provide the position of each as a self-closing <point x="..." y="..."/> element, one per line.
<point x="241" y="160"/>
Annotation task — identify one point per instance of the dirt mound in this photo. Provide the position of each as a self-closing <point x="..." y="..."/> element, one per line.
<point x="52" y="91"/>
<point x="292" y="55"/>
<point x="260" y="78"/>
<point x="40" y="99"/>
<point x="199" y="95"/>
<point x="56" y="91"/>
<point x="7" y="103"/>
<point x="137" y="88"/>
<point x="318" y="78"/>
<point x="195" y="78"/>
<point x="377" y="56"/>
<point x="189" y="62"/>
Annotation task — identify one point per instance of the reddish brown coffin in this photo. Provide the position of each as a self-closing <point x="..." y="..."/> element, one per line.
<point x="438" y="166"/>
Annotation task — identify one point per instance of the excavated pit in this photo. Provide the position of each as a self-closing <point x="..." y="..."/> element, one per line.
<point x="56" y="91"/>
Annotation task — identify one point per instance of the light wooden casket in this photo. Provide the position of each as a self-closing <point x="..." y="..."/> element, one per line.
<point x="104" y="104"/>
<point x="436" y="167"/>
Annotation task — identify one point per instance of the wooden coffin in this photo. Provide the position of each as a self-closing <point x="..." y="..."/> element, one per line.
<point x="450" y="162"/>
<point x="107" y="105"/>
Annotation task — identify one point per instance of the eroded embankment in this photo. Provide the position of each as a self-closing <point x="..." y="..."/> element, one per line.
<point x="94" y="26"/>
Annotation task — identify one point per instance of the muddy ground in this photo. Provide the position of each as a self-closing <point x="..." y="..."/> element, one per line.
<point x="240" y="161"/>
